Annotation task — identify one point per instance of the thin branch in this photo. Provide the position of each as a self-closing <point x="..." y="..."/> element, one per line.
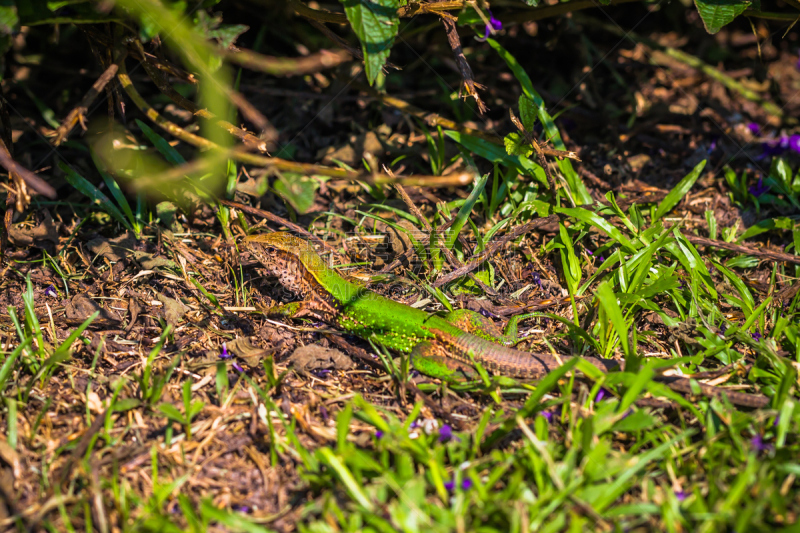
<point x="80" y="110"/>
<point x="31" y="180"/>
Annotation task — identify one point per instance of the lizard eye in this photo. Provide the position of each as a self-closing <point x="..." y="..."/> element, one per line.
<point x="270" y="249"/>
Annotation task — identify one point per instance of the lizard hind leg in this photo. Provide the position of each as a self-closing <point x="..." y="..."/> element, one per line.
<point x="431" y="359"/>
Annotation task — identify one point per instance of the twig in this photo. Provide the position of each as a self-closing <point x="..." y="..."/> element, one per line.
<point x="80" y="110"/>
<point x="158" y="77"/>
<point x="285" y="66"/>
<point x="431" y="119"/>
<point x="747" y="250"/>
<point x="31" y="180"/>
<point x="464" y="69"/>
<point x="456" y="179"/>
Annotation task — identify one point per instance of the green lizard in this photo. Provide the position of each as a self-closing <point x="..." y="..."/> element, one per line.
<point x="440" y="345"/>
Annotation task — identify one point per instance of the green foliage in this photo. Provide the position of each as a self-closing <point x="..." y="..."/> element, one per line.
<point x="375" y="22"/>
<point x="719" y="13"/>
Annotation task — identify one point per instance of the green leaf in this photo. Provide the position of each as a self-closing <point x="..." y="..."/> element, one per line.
<point x="171" y="412"/>
<point x="300" y="191"/>
<point x="516" y="145"/>
<point x="94" y="194"/>
<point x="718" y="13"/>
<point x="9" y="21"/>
<point x="680" y="190"/>
<point x="528" y="112"/>
<point x="375" y="23"/>
<point x="496" y="154"/>
<point x="466" y="209"/>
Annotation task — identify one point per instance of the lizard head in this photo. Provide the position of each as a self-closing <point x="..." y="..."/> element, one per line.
<point x="280" y="251"/>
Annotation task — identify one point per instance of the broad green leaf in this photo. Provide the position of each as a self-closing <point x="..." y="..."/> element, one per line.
<point x="516" y="145"/>
<point x="375" y="22"/>
<point x="299" y="191"/>
<point x="680" y="190"/>
<point x="528" y="111"/>
<point x="718" y="13"/>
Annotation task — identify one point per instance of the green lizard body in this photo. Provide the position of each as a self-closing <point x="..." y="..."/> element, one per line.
<point x="440" y="345"/>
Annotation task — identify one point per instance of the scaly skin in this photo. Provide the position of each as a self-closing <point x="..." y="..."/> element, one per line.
<point x="438" y="344"/>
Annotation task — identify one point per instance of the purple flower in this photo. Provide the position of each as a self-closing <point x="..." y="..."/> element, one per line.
<point x="794" y="143"/>
<point x="494" y="24"/>
<point x="241" y="508"/>
<point x="757" y="336"/>
<point x="466" y="483"/>
<point x="759" y="445"/>
<point x="712" y="146"/>
<point x="759" y="188"/>
<point x="777" y="419"/>
<point x="601" y="259"/>
<point x="450" y="485"/>
<point x="754" y="128"/>
<point x="681" y="495"/>
<point x="588" y="251"/>
<point x="324" y="413"/>
<point x="224" y="354"/>
<point x="413" y="425"/>
<point x="798" y="64"/>
<point x="445" y="433"/>
<point x="547" y="416"/>
<point x="379" y="434"/>
<point x="602" y="393"/>
<point x="237" y="367"/>
<point x="537" y="279"/>
<point x="776" y="147"/>
<point x="50" y="291"/>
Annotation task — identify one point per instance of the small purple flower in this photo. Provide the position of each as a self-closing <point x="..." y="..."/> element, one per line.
<point x="466" y="483"/>
<point x="794" y="143"/>
<point x="601" y="259"/>
<point x="588" y="251"/>
<point x="494" y="24"/>
<point x="759" y="188"/>
<point x="379" y="434"/>
<point x="413" y="425"/>
<point x="323" y="411"/>
<point x="759" y="445"/>
<point x="224" y="354"/>
<point x="485" y="313"/>
<point x="681" y="495"/>
<point x="445" y="433"/>
<point x="798" y="64"/>
<point x="754" y="128"/>
<point x="712" y="146"/>
<point x="548" y="415"/>
<point x="50" y="291"/>
<point x="775" y="147"/>
<point x="450" y="485"/>
<point x="237" y="367"/>
<point x="777" y="419"/>
<point x="241" y="508"/>
<point x="537" y="280"/>
<point x="602" y="393"/>
<point x="757" y="336"/>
